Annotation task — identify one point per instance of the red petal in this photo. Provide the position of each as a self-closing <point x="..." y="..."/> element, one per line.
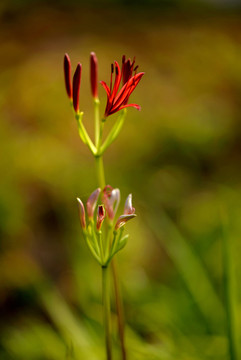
<point x="117" y="80"/>
<point x="106" y="87"/>
<point x="127" y="89"/>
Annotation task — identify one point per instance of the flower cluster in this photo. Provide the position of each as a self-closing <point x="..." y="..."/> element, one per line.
<point x="104" y="247"/>
<point x="116" y="99"/>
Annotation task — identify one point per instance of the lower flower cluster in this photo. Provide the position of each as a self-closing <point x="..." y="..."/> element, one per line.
<point x="103" y="233"/>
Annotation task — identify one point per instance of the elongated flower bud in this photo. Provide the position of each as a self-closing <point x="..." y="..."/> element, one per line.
<point x="91" y="203"/>
<point x="94" y="74"/>
<point x="121" y="221"/>
<point x="100" y="216"/>
<point x="111" y="199"/>
<point x="128" y="205"/>
<point x="76" y="87"/>
<point x="81" y="213"/>
<point x="67" y="75"/>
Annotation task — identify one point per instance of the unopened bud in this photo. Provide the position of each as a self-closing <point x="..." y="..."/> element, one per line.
<point x="76" y="87"/>
<point x="67" y="75"/>
<point x="121" y="221"/>
<point x="128" y="205"/>
<point x="111" y="199"/>
<point x="91" y="203"/>
<point x="94" y="74"/>
<point x="81" y="213"/>
<point x="100" y="216"/>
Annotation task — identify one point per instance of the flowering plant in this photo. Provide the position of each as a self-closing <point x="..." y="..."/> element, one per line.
<point x="101" y="229"/>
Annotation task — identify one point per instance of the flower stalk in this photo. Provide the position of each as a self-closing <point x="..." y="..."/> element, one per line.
<point x="105" y="244"/>
<point x="106" y="310"/>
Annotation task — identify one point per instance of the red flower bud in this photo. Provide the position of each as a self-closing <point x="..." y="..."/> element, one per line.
<point x="94" y="74"/>
<point x="67" y="75"/>
<point x="76" y="87"/>
<point x="100" y="216"/>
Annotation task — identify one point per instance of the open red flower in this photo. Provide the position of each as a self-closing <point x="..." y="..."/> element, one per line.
<point x="119" y="100"/>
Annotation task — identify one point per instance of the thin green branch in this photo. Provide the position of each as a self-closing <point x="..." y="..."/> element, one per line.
<point x="114" y="132"/>
<point x="83" y="133"/>
<point x="106" y="311"/>
<point x="97" y="120"/>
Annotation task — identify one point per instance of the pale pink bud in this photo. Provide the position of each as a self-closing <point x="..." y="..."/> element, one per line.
<point x="121" y="221"/>
<point x="100" y="216"/>
<point x="128" y="209"/>
<point x="94" y="74"/>
<point x="111" y="199"/>
<point x="91" y="203"/>
<point x="81" y="213"/>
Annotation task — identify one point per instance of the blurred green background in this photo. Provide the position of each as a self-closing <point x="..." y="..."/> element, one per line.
<point x="179" y="157"/>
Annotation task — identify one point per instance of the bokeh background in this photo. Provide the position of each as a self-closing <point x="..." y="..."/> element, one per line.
<point x="179" y="157"/>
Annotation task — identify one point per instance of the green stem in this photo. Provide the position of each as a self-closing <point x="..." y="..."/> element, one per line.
<point x="99" y="235"/>
<point x="97" y="121"/>
<point x="229" y="291"/>
<point x="119" y="308"/>
<point x="100" y="171"/>
<point x="114" y="131"/>
<point x="83" y="133"/>
<point x="106" y="311"/>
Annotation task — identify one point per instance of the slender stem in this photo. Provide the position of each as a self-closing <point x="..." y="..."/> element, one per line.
<point x="83" y="133"/>
<point x="100" y="171"/>
<point x="119" y="308"/>
<point x="229" y="291"/>
<point x="97" y="121"/>
<point x="101" y="246"/>
<point x="114" y="131"/>
<point x="106" y="311"/>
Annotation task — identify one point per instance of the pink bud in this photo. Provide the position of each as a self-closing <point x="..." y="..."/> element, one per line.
<point x="67" y="75"/>
<point x="100" y="216"/>
<point x="76" y="87"/>
<point x="128" y="205"/>
<point x="81" y="213"/>
<point x="121" y="221"/>
<point x="111" y="199"/>
<point x="94" y="74"/>
<point x="91" y="203"/>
